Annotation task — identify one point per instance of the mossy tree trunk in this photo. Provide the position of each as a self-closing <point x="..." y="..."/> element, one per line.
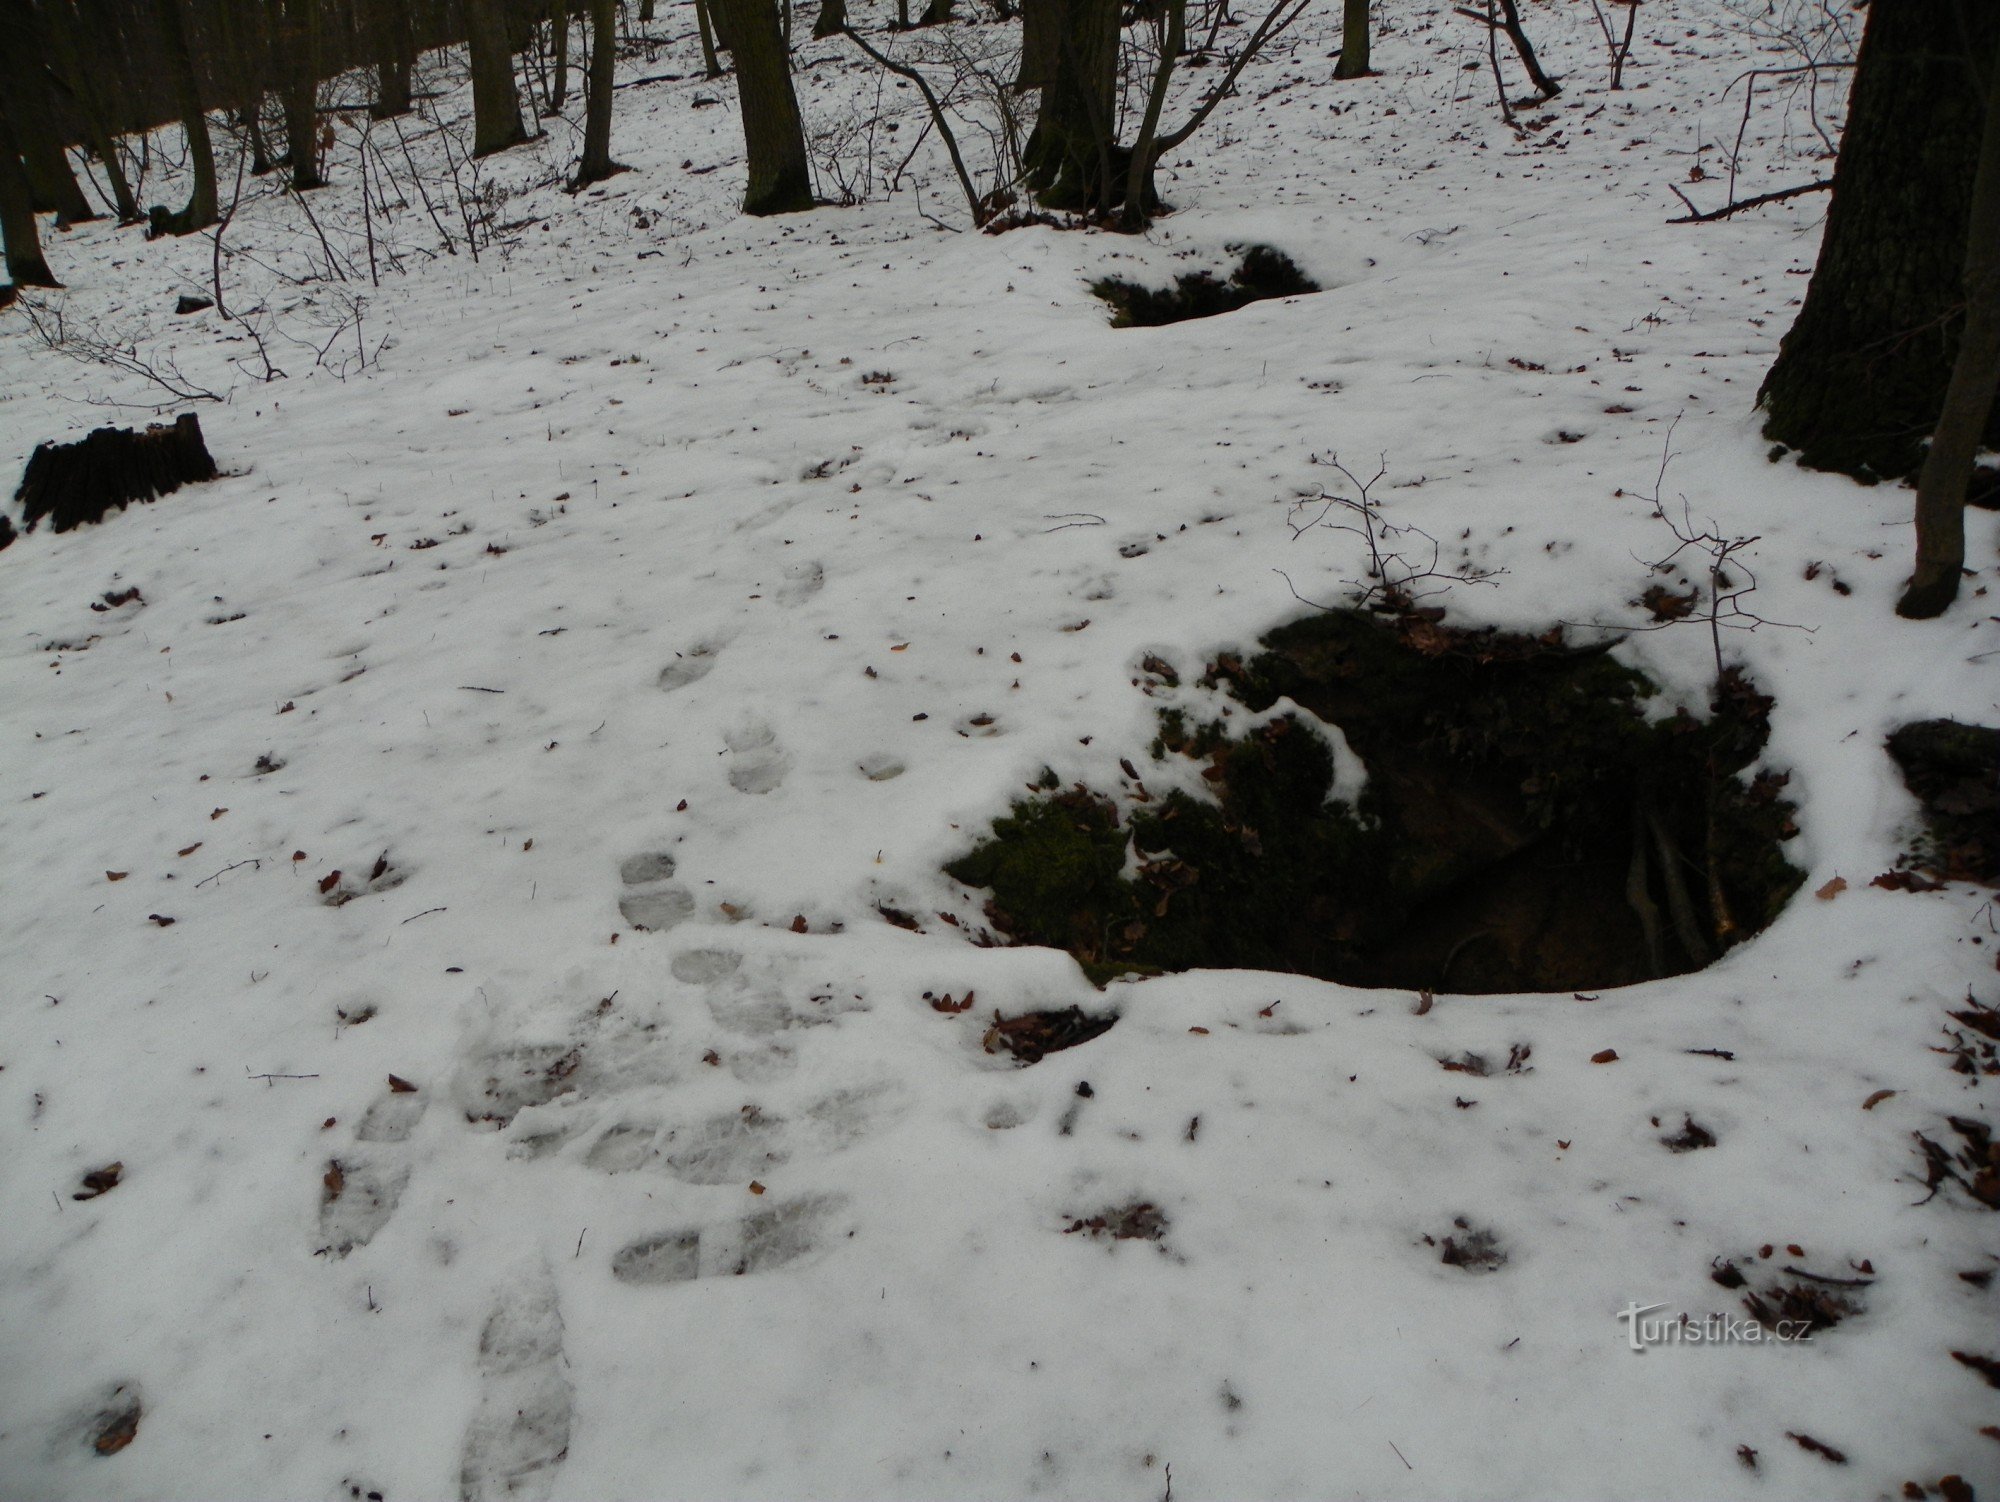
<point x="1353" y="41"/>
<point x="496" y="103"/>
<point x="597" y="164"/>
<point x="1860" y="379"/>
<point x="1969" y="396"/>
<point x="25" y="265"/>
<point x="773" y="134"/>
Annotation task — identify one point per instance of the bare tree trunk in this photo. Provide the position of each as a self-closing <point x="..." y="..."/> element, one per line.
<point x="25" y="266"/>
<point x="395" y="48"/>
<point x="201" y="210"/>
<point x="1172" y="33"/>
<point x="711" y="64"/>
<point x="559" y="62"/>
<point x="1861" y="375"/>
<point x="1969" y="396"/>
<point x="832" y="19"/>
<point x="936" y="13"/>
<point x="1071" y="160"/>
<point x="774" y="138"/>
<point x="597" y="164"/>
<point x="1353" y="41"/>
<point x="79" y="82"/>
<point x="496" y="103"/>
<point x="1510" y="15"/>
<point x="24" y="80"/>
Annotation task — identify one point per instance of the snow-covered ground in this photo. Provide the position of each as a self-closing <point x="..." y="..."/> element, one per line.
<point x="726" y="577"/>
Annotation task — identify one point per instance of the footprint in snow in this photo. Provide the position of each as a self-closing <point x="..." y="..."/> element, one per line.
<point x="756" y="762"/>
<point x="652" y="900"/>
<point x="357" y="1198"/>
<point x="689" y="667"/>
<point x="519" y="1434"/>
<point x="880" y="767"/>
<point x="360" y="1191"/>
<point x="759" y="1242"/>
<point x="802" y="582"/>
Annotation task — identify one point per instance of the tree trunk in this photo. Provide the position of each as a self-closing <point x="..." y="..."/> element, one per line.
<point x="780" y="180"/>
<point x="300" y="103"/>
<point x="1860" y="379"/>
<point x="711" y="64"/>
<point x="1969" y="397"/>
<point x="496" y="103"/>
<point x="597" y="164"/>
<point x="78" y="82"/>
<point x="200" y="211"/>
<point x="1353" y="41"/>
<point x="1511" y="22"/>
<point x="25" y="266"/>
<point x="78" y="85"/>
<point x="559" y="61"/>
<point x="936" y="13"/>
<point x="24" y="84"/>
<point x="1140" y="199"/>
<point x="392" y="90"/>
<point x="395" y="47"/>
<point x="1071" y="160"/>
<point x="251" y="118"/>
<point x="645" y="11"/>
<point x="832" y="19"/>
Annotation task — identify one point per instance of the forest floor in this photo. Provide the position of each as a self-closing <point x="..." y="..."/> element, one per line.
<point x="450" y="888"/>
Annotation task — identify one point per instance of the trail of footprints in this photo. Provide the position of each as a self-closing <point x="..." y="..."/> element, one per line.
<point x="600" y="1092"/>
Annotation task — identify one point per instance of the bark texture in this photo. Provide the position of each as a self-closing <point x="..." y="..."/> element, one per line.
<point x="1353" y="41"/>
<point x="1969" y="396"/>
<point x="780" y="179"/>
<point x="1070" y="52"/>
<point x="201" y="210"/>
<point x="1860" y="380"/>
<point x="496" y="103"/>
<point x="597" y="164"/>
<point x="24" y="93"/>
<point x="25" y="266"/>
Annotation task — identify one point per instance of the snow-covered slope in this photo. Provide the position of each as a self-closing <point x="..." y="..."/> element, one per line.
<point x="728" y="576"/>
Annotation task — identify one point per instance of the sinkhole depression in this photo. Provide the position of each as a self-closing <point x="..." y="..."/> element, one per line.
<point x="1524" y="824"/>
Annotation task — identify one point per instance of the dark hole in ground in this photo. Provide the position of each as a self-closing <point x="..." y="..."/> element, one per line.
<point x="74" y="483"/>
<point x="1524" y="827"/>
<point x="1954" y="770"/>
<point x="1032" y="1036"/>
<point x="1262" y="273"/>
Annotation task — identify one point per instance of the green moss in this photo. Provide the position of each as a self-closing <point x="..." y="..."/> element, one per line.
<point x="1511" y="779"/>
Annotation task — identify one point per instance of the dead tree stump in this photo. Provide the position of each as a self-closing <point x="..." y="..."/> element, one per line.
<point x="74" y="483"/>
